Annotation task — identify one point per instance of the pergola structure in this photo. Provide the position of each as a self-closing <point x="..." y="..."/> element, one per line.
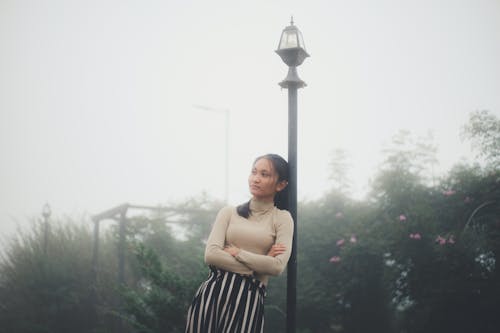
<point x="119" y="215"/>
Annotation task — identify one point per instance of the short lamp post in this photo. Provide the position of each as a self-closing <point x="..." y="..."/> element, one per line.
<point x="292" y="51"/>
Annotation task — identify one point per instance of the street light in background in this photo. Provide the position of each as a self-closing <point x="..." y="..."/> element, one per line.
<point x="46" y="212"/>
<point x="292" y="51"/>
<point x="226" y="115"/>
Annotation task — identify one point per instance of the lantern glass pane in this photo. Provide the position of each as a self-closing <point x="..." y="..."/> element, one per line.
<point x="301" y="41"/>
<point x="288" y="40"/>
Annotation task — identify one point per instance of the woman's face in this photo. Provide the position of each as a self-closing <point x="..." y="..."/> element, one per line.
<point x="263" y="180"/>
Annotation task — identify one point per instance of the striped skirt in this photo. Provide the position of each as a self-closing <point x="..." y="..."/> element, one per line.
<point x="227" y="302"/>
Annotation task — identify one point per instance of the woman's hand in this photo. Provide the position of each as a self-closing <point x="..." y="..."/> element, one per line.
<point x="232" y="250"/>
<point x="276" y="250"/>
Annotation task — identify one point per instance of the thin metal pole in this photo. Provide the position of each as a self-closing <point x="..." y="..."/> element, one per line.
<point x="291" y="308"/>
<point x="226" y="171"/>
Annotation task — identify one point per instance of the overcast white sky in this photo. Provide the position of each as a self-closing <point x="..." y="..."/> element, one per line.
<point x="96" y="97"/>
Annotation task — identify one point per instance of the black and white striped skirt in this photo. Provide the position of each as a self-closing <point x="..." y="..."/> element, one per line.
<point x="227" y="302"/>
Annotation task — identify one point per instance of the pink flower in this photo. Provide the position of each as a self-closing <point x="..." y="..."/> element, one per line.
<point x="340" y="242"/>
<point x="402" y="217"/>
<point x="353" y="239"/>
<point x="339" y="215"/>
<point x="451" y="239"/>
<point x="467" y="200"/>
<point x="415" y="236"/>
<point x="448" y="193"/>
<point x="335" y="259"/>
<point x="440" y="240"/>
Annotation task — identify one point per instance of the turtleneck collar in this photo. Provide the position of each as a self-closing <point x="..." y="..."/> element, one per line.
<point x="257" y="206"/>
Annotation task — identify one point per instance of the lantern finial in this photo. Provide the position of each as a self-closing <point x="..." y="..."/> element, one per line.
<point x="291" y="20"/>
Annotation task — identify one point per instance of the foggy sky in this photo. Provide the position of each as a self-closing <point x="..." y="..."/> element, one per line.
<point x="97" y="97"/>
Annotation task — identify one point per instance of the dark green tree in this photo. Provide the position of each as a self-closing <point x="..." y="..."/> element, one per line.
<point x="483" y="130"/>
<point x="167" y="266"/>
<point x="162" y="297"/>
<point x="48" y="287"/>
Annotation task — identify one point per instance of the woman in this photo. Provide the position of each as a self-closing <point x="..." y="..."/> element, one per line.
<point x="246" y="245"/>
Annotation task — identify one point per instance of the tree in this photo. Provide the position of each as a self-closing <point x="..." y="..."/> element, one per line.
<point x="160" y="302"/>
<point x="483" y="130"/>
<point x="339" y="167"/>
<point x="416" y="256"/>
<point x="166" y="270"/>
<point x="407" y="166"/>
<point x="51" y="291"/>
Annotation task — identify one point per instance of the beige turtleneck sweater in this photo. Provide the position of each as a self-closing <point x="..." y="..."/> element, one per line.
<point x="266" y="225"/>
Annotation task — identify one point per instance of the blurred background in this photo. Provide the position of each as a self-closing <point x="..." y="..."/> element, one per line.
<point x="98" y="98"/>
<point x="167" y="103"/>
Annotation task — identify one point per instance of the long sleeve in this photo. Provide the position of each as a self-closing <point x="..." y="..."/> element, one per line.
<point x="264" y="264"/>
<point x="214" y="250"/>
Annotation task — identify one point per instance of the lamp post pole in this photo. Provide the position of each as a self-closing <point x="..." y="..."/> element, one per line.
<point x="292" y="51"/>
<point x="291" y="308"/>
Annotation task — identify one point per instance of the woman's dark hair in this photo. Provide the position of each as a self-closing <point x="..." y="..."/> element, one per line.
<point x="281" y="198"/>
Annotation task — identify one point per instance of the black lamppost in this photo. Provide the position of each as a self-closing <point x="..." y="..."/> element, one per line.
<point x="292" y="51"/>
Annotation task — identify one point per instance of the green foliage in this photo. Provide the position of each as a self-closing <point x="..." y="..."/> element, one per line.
<point x="48" y="283"/>
<point x="334" y="294"/>
<point x="407" y="166"/>
<point x="166" y="270"/>
<point x="161" y="301"/>
<point x="339" y="167"/>
<point x="418" y="255"/>
<point x="483" y="129"/>
<point x="388" y="279"/>
<point x="45" y="280"/>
